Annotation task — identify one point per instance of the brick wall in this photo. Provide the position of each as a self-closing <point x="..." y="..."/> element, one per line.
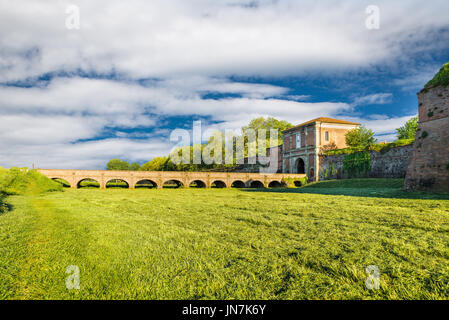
<point x="429" y="166"/>
<point x="392" y="164"/>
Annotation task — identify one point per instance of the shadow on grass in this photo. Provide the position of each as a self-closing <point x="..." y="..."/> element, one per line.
<point x="373" y="188"/>
<point x="4" y="206"/>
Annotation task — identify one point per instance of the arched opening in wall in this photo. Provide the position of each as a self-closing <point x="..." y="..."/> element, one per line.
<point x="117" y="183"/>
<point x="238" y="184"/>
<point x="64" y="183"/>
<point x="197" y="184"/>
<point x="276" y="184"/>
<point x="256" y="184"/>
<point x="88" y="183"/>
<point x="218" y="184"/>
<point x="146" y="184"/>
<point x="172" y="184"/>
<point x="300" y="166"/>
<point x="312" y="175"/>
<point x="297" y="183"/>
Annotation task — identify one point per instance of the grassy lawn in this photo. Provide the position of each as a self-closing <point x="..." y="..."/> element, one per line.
<point x="308" y="243"/>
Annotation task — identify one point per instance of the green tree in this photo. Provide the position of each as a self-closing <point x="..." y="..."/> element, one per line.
<point x="408" y="130"/>
<point x="117" y="164"/>
<point x="159" y="164"/>
<point x="134" y="166"/>
<point x="360" y="137"/>
<point x="268" y="124"/>
<point x="165" y="164"/>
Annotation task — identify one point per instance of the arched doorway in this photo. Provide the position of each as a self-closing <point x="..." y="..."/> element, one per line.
<point x="300" y="166"/>
<point x="312" y="174"/>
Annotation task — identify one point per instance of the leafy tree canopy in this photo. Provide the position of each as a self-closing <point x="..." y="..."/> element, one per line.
<point x="159" y="164"/>
<point x="268" y="124"/>
<point x="360" y="137"/>
<point x="117" y="164"/>
<point x="134" y="166"/>
<point x="408" y="130"/>
<point x="165" y="164"/>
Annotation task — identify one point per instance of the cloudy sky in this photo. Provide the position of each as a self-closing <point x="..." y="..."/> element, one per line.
<point x="135" y="70"/>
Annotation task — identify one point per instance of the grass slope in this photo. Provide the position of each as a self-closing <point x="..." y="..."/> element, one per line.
<point x="16" y="181"/>
<point x="307" y="243"/>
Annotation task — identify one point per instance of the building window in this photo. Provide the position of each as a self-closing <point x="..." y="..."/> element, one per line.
<point x="298" y="141"/>
<point x="326" y="136"/>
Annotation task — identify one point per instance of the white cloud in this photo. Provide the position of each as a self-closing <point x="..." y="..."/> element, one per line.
<point x="179" y="51"/>
<point x="127" y="104"/>
<point x="67" y="111"/>
<point x="161" y="38"/>
<point x="377" y="98"/>
<point x="21" y="130"/>
<point x="81" y="155"/>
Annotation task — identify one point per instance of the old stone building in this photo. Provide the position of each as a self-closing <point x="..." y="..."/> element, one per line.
<point x="429" y="164"/>
<point x="303" y="144"/>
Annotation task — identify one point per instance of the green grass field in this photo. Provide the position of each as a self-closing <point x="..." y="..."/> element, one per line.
<point x="308" y="243"/>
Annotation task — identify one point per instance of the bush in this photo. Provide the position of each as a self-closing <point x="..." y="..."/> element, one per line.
<point x="441" y="78"/>
<point x="380" y="147"/>
<point x="291" y="182"/>
<point x="383" y="148"/>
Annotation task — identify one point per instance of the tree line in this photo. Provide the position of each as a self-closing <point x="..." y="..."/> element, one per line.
<point x="166" y="164"/>
<point x="361" y="138"/>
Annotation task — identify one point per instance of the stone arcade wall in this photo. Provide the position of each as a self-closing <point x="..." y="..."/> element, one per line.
<point x="74" y="177"/>
<point x="429" y="165"/>
<point x="392" y="164"/>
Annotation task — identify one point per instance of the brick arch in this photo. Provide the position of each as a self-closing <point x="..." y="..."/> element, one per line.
<point x="276" y="184"/>
<point x="156" y="185"/>
<point x="110" y="179"/>
<point x="204" y="183"/>
<point x="240" y="183"/>
<point x="219" y="183"/>
<point x="79" y="180"/>
<point x="255" y="184"/>
<point x="65" y="179"/>
<point x="160" y="178"/>
<point x="181" y="183"/>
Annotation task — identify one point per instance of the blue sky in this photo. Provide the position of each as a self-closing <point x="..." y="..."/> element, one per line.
<point x="134" y="71"/>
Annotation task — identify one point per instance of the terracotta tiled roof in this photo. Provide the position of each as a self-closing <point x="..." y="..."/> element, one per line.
<point x="322" y="119"/>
